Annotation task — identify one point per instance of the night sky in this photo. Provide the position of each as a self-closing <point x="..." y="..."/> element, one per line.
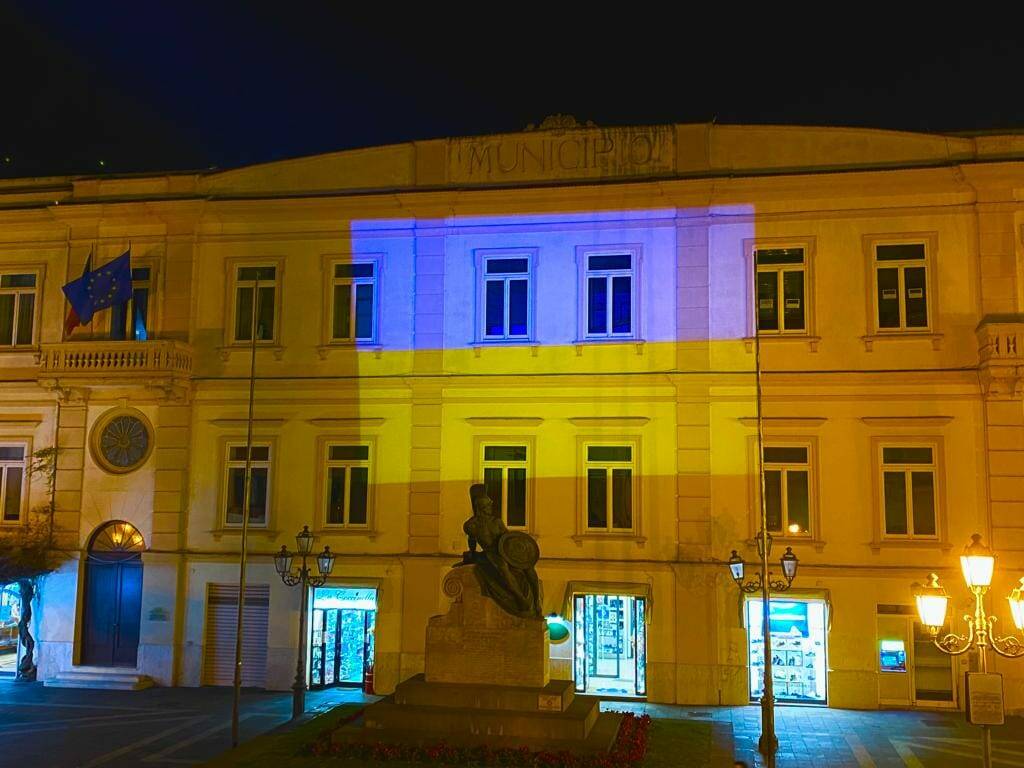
<point x="153" y="85"/>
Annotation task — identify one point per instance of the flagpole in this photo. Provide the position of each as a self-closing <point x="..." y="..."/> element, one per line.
<point x="246" y="496"/>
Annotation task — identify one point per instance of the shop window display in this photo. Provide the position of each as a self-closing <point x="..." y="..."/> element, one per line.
<point x="798" y="648"/>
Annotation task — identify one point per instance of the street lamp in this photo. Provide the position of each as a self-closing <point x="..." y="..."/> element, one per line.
<point x="283" y="565"/>
<point x="977" y="564"/>
<point x="765" y="584"/>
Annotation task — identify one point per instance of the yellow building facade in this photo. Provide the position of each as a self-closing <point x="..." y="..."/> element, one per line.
<point x="570" y="315"/>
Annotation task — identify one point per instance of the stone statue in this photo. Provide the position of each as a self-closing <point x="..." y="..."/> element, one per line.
<point x="505" y="564"/>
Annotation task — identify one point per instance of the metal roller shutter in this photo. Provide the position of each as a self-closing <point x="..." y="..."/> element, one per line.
<point x="221" y="619"/>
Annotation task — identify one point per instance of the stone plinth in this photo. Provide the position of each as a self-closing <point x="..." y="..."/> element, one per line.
<point x="477" y="643"/>
<point x="486" y="683"/>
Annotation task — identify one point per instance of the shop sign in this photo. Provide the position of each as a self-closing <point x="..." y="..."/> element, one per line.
<point x="984" y="698"/>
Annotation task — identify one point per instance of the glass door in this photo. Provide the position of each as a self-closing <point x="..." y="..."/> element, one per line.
<point x="316" y="649"/>
<point x="579" y="646"/>
<point x="610" y="645"/>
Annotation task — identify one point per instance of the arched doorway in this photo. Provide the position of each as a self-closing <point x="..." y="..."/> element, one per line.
<point x="113" y="596"/>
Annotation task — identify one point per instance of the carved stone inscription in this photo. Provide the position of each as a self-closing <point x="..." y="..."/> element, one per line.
<point x="563" y="154"/>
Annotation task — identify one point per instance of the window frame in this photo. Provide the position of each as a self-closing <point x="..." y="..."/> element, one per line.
<point x="327" y="464"/>
<point x="322" y="492"/>
<point x="930" y="242"/>
<point x="583" y="254"/>
<point x="240" y="442"/>
<point x="330" y="261"/>
<point x="232" y="266"/>
<point x="808" y="244"/>
<point x="152" y="264"/>
<point x="784" y="468"/>
<point x="781" y="439"/>
<point x="938" y="470"/>
<point x="481" y="444"/>
<point x="907" y="469"/>
<point x="39" y="272"/>
<point x="481" y="257"/>
<point x="583" y="522"/>
<point x="26" y="480"/>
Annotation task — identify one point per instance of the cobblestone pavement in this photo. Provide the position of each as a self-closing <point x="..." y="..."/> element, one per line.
<point x="158" y="727"/>
<point x="813" y="737"/>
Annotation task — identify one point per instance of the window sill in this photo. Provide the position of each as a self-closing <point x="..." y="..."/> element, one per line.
<point x="878" y="545"/>
<point x="225" y="352"/>
<point x="636" y="538"/>
<point x="350" y="346"/>
<point x="791" y="541"/>
<point x="327" y="530"/>
<point x="806" y="338"/>
<point x="579" y="344"/>
<point x="870" y="339"/>
<point x="217" y="533"/>
<point x="479" y="346"/>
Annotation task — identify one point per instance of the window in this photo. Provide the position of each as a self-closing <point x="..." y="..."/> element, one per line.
<point x="348" y="483"/>
<point x="901" y="287"/>
<point x="131" y="319"/>
<point x="506" y="297"/>
<point x="609" y="492"/>
<point x="12" y="477"/>
<point x="259" y="485"/>
<point x="610" y="296"/>
<point x="353" y="302"/>
<point x="504" y="472"/>
<point x="247" y="280"/>
<point x="781" y="290"/>
<point x="908" y="491"/>
<point x="17" y="309"/>
<point x="787" y="490"/>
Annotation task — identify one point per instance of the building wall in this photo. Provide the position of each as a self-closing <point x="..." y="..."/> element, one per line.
<point x="428" y="392"/>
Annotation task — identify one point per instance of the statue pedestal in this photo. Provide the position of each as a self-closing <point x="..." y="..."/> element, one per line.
<point x="477" y="643"/>
<point x="487" y="681"/>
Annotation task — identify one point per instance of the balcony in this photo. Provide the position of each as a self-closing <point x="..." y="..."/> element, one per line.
<point x="161" y="365"/>
<point x="1001" y="356"/>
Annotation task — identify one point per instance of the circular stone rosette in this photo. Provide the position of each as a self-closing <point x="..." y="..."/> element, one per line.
<point x="519" y="549"/>
<point x="121" y="440"/>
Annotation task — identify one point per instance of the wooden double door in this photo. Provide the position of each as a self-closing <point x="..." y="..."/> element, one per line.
<point x="112" y="612"/>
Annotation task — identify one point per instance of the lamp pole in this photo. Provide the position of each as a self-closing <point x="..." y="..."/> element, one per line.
<point x="977" y="564"/>
<point x="768" y="744"/>
<point x="302" y="576"/>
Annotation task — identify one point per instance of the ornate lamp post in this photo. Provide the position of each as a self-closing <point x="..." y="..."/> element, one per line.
<point x="977" y="563"/>
<point x="768" y="744"/>
<point x="283" y="564"/>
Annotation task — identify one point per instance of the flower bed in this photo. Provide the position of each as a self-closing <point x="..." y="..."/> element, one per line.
<point x="628" y="750"/>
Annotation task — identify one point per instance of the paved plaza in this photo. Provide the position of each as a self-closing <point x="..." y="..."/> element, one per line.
<point x="67" y="728"/>
<point x="158" y="727"/>
<point x="813" y="737"/>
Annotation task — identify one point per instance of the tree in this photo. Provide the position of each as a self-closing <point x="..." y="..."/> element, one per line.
<point x="27" y="553"/>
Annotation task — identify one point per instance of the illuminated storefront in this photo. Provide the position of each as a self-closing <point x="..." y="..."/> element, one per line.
<point x="610" y="645"/>
<point x="799" y="650"/>
<point x="342" y="626"/>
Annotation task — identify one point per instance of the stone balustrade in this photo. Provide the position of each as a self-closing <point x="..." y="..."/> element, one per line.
<point x="115" y="359"/>
<point x="1001" y="356"/>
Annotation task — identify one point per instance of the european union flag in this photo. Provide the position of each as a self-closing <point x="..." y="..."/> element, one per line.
<point x="101" y="288"/>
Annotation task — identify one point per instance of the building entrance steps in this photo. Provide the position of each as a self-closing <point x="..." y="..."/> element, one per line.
<point x="105" y="678"/>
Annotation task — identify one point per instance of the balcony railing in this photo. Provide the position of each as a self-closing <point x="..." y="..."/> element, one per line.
<point x="116" y="358"/>
<point x="1001" y="342"/>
